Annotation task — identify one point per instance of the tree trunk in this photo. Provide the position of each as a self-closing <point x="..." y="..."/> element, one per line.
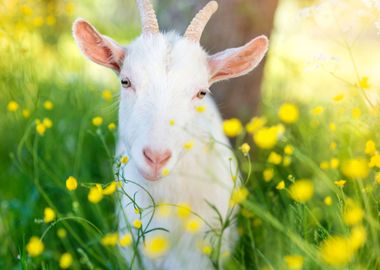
<point x="235" y="23"/>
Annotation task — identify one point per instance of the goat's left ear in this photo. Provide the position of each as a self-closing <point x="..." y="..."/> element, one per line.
<point x="236" y="62"/>
<point x="98" y="48"/>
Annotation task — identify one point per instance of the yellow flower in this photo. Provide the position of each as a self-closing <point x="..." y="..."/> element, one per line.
<point x="266" y="138"/>
<point x="137" y="223"/>
<point x="336" y="251"/>
<point x="112" y="126"/>
<point x="188" y="145"/>
<point x="338" y="97"/>
<point x="255" y="124"/>
<point x="41" y="129"/>
<point x="163" y="210"/>
<point x="193" y="225"/>
<point x="288" y="149"/>
<point x="355" y="168"/>
<point x="370" y="147"/>
<point x="156" y="246"/>
<point x="38" y="21"/>
<point x="35" y="246"/>
<point x="268" y="174"/>
<point x="328" y="200"/>
<point x="48" y="105"/>
<point x="65" y="261"/>
<point x="353" y="215"/>
<point x="97" y="121"/>
<point x="232" y="127"/>
<point x="375" y="161"/>
<point x="200" y="109"/>
<point x="61" y="233"/>
<point x="47" y="123"/>
<point x="294" y="262"/>
<point x="95" y="194"/>
<point x="358" y="237"/>
<point x="26" y="10"/>
<point x="172" y="122"/>
<point x="126" y="240"/>
<point x="69" y="8"/>
<point x="332" y="127"/>
<point x="239" y="195"/>
<point x="332" y="146"/>
<point x="356" y="113"/>
<point x="280" y="185"/>
<point x="71" y="183"/>
<point x="107" y="95"/>
<point x="274" y="158"/>
<point x="51" y="20"/>
<point x="124" y="160"/>
<point x="377" y="177"/>
<point x="317" y="110"/>
<point x="26" y="113"/>
<point x="364" y="83"/>
<point x="286" y="161"/>
<point x="288" y="113"/>
<point x="324" y="165"/>
<point x="207" y="249"/>
<point x="110" y="189"/>
<point x="12" y="106"/>
<point x="165" y="172"/>
<point x="110" y="239"/>
<point x="334" y="163"/>
<point x="49" y="215"/>
<point x="340" y="183"/>
<point x="245" y="148"/>
<point x="183" y="210"/>
<point x="301" y="190"/>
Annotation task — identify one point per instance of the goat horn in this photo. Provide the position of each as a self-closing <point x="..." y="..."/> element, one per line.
<point x="198" y="24"/>
<point x="148" y="16"/>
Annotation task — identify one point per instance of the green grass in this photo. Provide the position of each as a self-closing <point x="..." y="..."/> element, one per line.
<point x="47" y="66"/>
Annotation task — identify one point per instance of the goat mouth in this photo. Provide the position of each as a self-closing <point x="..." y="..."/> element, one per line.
<point x="153" y="177"/>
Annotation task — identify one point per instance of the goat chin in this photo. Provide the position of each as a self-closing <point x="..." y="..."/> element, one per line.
<point x="202" y="175"/>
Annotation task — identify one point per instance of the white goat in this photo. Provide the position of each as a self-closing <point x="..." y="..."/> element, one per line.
<point x="164" y="79"/>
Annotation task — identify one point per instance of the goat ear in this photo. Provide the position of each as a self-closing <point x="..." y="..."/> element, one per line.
<point x="98" y="48"/>
<point x="236" y="62"/>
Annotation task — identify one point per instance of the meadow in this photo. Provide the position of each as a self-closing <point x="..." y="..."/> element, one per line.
<point x="309" y="161"/>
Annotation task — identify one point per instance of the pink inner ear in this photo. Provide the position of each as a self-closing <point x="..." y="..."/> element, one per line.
<point x="98" y="48"/>
<point x="235" y="62"/>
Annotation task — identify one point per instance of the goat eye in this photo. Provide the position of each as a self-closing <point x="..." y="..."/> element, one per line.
<point x="126" y="83"/>
<point x="201" y="94"/>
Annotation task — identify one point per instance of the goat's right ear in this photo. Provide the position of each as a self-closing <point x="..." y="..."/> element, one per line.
<point x="98" y="48"/>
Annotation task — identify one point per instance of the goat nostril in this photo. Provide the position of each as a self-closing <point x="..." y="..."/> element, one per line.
<point x="156" y="158"/>
<point x="148" y="155"/>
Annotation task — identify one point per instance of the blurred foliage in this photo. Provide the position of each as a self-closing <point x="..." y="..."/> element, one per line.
<point x="323" y="61"/>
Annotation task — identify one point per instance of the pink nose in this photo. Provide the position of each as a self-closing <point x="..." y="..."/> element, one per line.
<point x="156" y="159"/>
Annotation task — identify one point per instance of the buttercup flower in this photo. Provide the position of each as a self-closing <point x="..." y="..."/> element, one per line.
<point x="239" y="195"/>
<point x="355" y="168"/>
<point x="71" y="183"/>
<point x="107" y="95"/>
<point x="255" y="124"/>
<point x="274" y="158"/>
<point x="268" y="174"/>
<point x="336" y="251"/>
<point x="95" y="194"/>
<point x="340" y="183"/>
<point x="266" y="138"/>
<point x="302" y="190"/>
<point x="288" y="113"/>
<point x="12" y="106"/>
<point x="35" y="246"/>
<point x="48" y="105"/>
<point x="183" y="210"/>
<point x="156" y="246"/>
<point x="112" y="126"/>
<point x="244" y="148"/>
<point x="65" y="261"/>
<point x="232" y="127"/>
<point x="126" y="240"/>
<point x="370" y="147"/>
<point x="294" y="262"/>
<point x="280" y="185"/>
<point x="137" y="223"/>
<point x="328" y="200"/>
<point x="49" y="215"/>
<point x="193" y="225"/>
<point x="97" y="121"/>
<point x="110" y="239"/>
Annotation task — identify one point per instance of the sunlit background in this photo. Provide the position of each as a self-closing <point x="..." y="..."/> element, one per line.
<point x="323" y="60"/>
